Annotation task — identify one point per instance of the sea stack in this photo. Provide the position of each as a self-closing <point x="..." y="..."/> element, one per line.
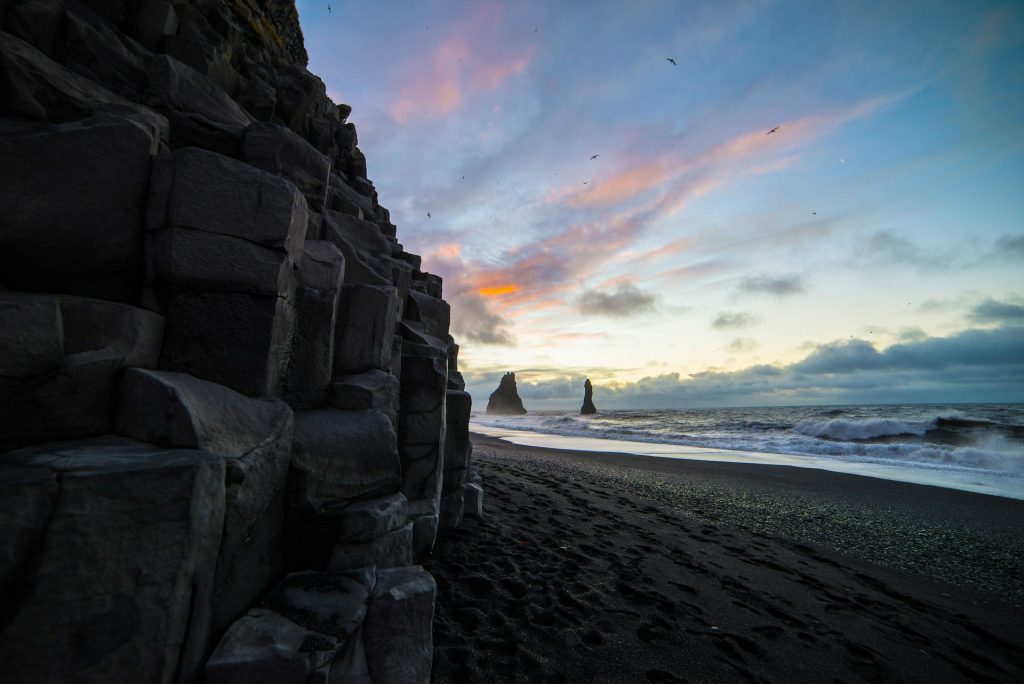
<point x="588" y="399"/>
<point x="505" y="400"/>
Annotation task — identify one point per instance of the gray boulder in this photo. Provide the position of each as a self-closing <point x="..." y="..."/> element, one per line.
<point x="397" y="634"/>
<point x="60" y="360"/>
<point x="307" y="629"/>
<point x="138" y="528"/>
<point x="332" y="603"/>
<point x="73" y="207"/>
<point x="266" y="648"/>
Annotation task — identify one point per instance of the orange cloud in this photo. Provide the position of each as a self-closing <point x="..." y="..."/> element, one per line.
<point x="498" y="290"/>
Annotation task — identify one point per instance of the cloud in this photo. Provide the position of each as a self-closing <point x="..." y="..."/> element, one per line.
<point x="1010" y="246"/>
<point x="473" y="56"/>
<point x="733" y="319"/>
<point x="626" y="300"/>
<point x="911" y="334"/>
<point x="472" y="319"/>
<point x="743" y="344"/>
<point x="778" y="285"/>
<point x="1000" y="313"/>
<point x="972" y="365"/>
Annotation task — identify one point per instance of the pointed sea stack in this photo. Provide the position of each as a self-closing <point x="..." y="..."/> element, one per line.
<point x="588" y="399"/>
<point x="505" y="400"/>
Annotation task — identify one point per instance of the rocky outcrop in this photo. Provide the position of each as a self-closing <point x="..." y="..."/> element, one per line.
<point x="231" y="417"/>
<point x="588" y="399"/>
<point x="505" y="400"/>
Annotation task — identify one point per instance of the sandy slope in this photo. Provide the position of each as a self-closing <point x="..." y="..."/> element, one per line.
<point x="573" y="577"/>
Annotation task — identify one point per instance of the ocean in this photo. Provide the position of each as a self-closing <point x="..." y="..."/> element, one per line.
<point x="974" y="447"/>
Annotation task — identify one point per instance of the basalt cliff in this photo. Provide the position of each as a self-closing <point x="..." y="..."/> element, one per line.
<point x="231" y="419"/>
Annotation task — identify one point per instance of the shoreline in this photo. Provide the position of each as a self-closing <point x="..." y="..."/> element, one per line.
<point x="937" y="532"/>
<point x="981" y="482"/>
<point x="618" y="568"/>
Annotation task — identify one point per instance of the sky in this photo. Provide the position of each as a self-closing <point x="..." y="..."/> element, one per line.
<point x="599" y="211"/>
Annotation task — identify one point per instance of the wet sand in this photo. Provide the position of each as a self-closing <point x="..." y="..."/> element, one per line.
<point x="618" y="568"/>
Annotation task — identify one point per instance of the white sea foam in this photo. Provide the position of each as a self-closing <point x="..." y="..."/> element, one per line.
<point x="848" y="430"/>
<point x="908" y="441"/>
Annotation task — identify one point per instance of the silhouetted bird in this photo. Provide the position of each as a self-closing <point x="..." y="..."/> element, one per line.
<point x="428" y="214"/>
<point x="595" y="156"/>
<point x="328" y="8"/>
<point x="772" y="131"/>
<point x="585" y="182"/>
<point x="815" y="213"/>
<point x="672" y="60"/>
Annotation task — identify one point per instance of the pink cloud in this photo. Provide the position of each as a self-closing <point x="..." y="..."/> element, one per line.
<point x="474" y="56"/>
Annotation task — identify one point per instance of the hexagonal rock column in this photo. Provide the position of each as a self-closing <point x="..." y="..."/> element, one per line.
<point x="421" y="435"/>
<point x="397" y="633"/>
<point x="137" y="527"/>
<point x="366" y="325"/>
<point x="225" y="240"/>
<point x="200" y="113"/>
<point x="340" y="459"/>
<point x="282" y="152"/>
<point x="255" y="438"/>
<point x="311" y="361"/>
<point x="60" y="359"/>
<point x="372" y="389"/>
<point x="456" y="456"/>
<point x="73" y="207"/>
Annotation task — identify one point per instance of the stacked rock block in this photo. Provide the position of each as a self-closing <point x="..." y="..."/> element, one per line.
<point x="231" y="418"/>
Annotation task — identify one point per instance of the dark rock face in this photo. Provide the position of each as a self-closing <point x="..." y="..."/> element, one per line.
<point x="505" y="400"/>
<point x="588" y="399"/>
<point x="203" y="299"/>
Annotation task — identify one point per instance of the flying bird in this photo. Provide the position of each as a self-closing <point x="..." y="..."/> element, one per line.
<point x="585" y="182"/>
<point x="328" y="8"/>
<point x="672" y="60"/>
<point x="595" y="156"/>
<point x="815" y="213"/>
<point x="428" y="214"/>
<point x="772" y="131"/>
<point x="842" y="161"/>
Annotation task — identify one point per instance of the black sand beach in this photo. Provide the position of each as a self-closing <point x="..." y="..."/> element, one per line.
<point x="616" y="568"/>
